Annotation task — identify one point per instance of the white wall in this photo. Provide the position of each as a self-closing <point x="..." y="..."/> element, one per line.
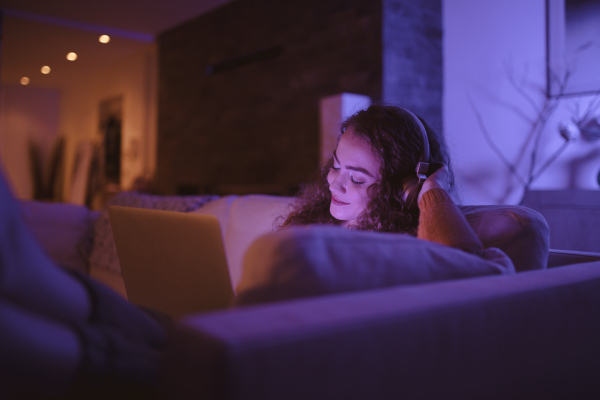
<point x="483" y="41"/>
<point x="26" y="115"/>
<point x="135" y="80"/>
<point x="43" y="115"/>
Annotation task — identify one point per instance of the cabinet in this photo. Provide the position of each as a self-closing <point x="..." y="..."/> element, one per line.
<point x="573" y="217"/>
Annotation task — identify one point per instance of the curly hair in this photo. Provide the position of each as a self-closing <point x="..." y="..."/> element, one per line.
<point x="396" y="142"/>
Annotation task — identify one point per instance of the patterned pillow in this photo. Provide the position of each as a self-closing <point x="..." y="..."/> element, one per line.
<point x="104" y="252"/>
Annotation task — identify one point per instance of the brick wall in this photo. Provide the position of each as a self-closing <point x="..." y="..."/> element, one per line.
<point x="412" y="57"/>
<point x="239" y="89"/>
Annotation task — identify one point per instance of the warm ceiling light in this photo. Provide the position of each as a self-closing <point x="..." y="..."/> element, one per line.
<point x="45" y="70"/>
<point x="24" y="80"/>
<point x="104" y="39"/>
<point x="72" y="56"/>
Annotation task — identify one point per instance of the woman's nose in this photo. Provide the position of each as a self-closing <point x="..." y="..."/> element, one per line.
<point x="338" y="183"/>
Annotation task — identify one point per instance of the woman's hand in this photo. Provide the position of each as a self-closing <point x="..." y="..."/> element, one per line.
<point x="439" y="179"/>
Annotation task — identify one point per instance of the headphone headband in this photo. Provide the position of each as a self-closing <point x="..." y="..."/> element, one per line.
<point x="425" y="140"/>
<point x="412" y="185"/>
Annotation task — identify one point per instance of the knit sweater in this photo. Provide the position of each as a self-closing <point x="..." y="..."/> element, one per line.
<point x="442" y="221"/>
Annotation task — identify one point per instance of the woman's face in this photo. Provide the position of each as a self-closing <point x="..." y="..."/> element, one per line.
<point x="355" y="168"/>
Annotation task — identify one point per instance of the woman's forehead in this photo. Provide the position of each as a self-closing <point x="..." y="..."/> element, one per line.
<point x="353" y="150"/>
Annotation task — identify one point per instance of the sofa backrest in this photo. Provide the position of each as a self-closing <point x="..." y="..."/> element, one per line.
<point x="520" y="232"/>
<point x="243" y="219"/>
<point x="63" y="229"/>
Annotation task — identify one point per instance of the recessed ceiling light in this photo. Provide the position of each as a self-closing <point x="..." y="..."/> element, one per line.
<point x="104" y="39"/>
<point x="72" y="56"/>
<point x="45" y="70"/>
<point x="24" y="81"/>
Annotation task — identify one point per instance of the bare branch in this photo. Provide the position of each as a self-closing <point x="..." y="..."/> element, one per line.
<point x="495" y="148"/>
<point x="543" y="112"/>
<point x="550" y="105"/>
<point x="519" y="88"/>
<point x="592" y="107"/>
<point x="550" y="160"/>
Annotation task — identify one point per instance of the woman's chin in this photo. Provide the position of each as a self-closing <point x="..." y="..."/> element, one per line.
<point x="344" y="221"/>
<point x="335" y="213"/>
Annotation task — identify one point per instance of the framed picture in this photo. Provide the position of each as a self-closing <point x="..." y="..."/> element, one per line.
<point x="573" y="47"/>
<point x="111" y="116"/>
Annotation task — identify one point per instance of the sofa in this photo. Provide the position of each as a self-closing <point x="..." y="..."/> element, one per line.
<point x="423" y="334"/>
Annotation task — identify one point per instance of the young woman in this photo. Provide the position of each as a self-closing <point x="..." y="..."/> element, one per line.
<point x="364" y="184"/>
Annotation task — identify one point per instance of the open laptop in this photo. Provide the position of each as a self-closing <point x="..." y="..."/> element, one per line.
<point x="171" y="261"/>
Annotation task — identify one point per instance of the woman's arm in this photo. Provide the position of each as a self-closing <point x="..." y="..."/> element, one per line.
<point x="441" y="220"/>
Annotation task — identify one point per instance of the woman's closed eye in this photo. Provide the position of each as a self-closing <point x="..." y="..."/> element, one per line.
<point x="356" y="182"/>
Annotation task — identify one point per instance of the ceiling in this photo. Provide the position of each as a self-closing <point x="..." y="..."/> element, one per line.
<point x="36" y="33"/>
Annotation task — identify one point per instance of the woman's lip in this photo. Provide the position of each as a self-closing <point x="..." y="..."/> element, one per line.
<point x="338" y="201"/>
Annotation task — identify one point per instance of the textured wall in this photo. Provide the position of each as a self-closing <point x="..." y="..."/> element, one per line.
<point x="412" y="57"/>
<point x="239" y="89"/>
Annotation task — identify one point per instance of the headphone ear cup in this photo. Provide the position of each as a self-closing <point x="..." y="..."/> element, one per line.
<point x="410" y="191"/>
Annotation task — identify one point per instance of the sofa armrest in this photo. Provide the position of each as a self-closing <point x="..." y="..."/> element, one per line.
<point x="498" y="337"/>
<point x="63" y="230"/>
<point x="559" y="258"/>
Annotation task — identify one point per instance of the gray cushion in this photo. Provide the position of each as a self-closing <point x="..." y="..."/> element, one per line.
<point x="316" y="260"/>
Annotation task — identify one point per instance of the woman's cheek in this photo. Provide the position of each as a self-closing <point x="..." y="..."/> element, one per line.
<point x="365" y="193"/>
<point x="330" y="176"/>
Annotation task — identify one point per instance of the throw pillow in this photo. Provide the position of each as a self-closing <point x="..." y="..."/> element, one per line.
<point x="520" y="232"/>
<point x="316" y="260"/>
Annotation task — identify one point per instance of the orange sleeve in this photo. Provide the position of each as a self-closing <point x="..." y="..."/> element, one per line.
<point x="441" y="221"/>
